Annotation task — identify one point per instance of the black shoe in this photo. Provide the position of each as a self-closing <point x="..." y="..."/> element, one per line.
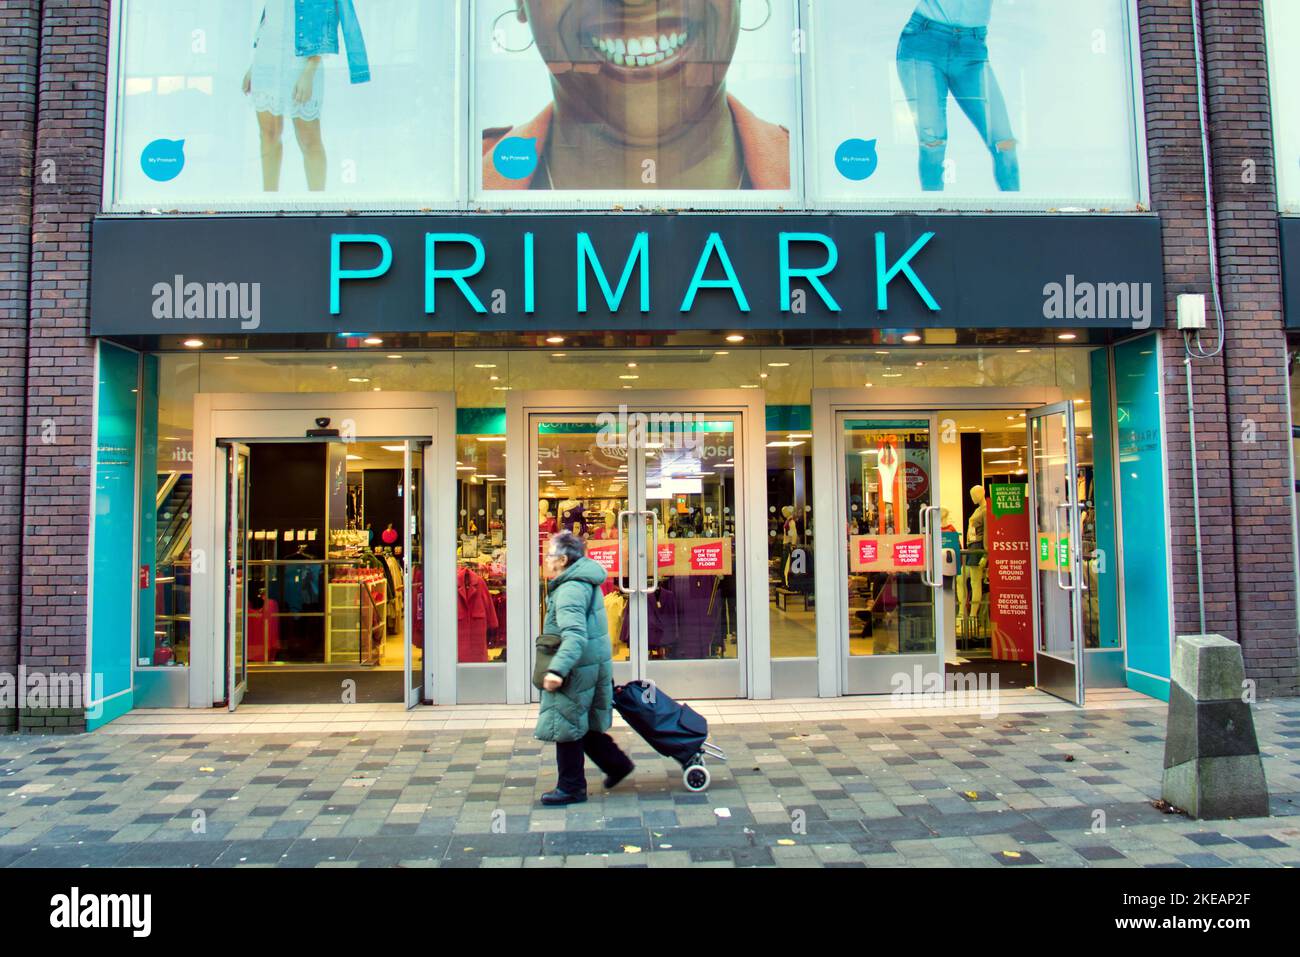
<point x="612" y="780"/>
<point x="558" y="797"/>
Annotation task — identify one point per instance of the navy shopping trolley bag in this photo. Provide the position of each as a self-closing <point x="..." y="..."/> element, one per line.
<point x="673" y="729"/>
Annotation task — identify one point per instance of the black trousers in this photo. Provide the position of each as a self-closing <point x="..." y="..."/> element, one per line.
<point x="598" y="746"/>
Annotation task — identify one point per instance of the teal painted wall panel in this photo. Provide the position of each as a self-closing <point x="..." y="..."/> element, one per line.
<point x="1142" y="507"/>
<point x="1103" y="458"/>
<point x="114" y="586"/>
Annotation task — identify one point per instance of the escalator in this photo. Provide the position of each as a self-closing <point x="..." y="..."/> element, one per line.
<point x="174" y="501"/>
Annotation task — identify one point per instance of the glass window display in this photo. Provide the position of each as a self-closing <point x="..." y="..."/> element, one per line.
<point x="688" y="96"/>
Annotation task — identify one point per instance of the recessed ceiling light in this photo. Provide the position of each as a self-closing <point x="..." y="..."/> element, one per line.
<point x="911" y="337"/>
<point x="631" y="365"/>
<point x="749" y="387"/>
<point x="193" y="343"/>
<point x="395" y="357"/>
<point x="1067" y="337"/>
<point x="359" y="380"/>
<point x="490" y="438"/>
<point x="555" y="340"/>
<point x="485" y="365"/>
<point x="778" y="365"/>
<point x="559" y="355"/>
<point x="722" y="353"/>
<point x="231" y="358"/>
<point x="374" y="341"/>
<point x="735" y="338"/>
<point x="629" y="377"/>
<point x="464" y="468"/>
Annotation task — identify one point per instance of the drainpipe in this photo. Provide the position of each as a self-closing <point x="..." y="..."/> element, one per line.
<point x="1192" y="344"/>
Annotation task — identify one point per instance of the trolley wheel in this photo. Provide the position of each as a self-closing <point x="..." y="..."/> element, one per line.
<point x="696" y="777"/>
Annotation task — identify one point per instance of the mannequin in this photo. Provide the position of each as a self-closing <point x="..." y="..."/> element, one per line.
<point x="970" y="583"/>
<point x="791" y="529"/>
<point x="607" y="530"/>
<point x="545" y="520"/>
<point x="887" y="464"/>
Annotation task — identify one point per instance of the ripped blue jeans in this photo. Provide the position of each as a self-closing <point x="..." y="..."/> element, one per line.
<point x="935" y="59"/>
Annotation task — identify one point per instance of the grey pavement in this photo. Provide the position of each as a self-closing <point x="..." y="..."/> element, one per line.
<point x="1062" y="789"/>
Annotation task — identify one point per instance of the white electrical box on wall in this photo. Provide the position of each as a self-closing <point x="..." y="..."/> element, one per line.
<point x="1191" y="311"/>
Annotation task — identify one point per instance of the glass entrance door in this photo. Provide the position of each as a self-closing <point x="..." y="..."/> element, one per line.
<point x="655" y="496"/>
<point x="237" y="535"/>
<point x="413" y="569"/>
<point x="1059" y="580"/>
<point x="891" y="552"/>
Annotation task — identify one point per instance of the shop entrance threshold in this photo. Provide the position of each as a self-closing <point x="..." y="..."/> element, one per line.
<point x="309" y="719"/>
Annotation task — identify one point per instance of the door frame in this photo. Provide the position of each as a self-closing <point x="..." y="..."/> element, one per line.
<point x="751" y="489"/>
<point x="287" y="417"/>
<point x="1074" y="537"/>
<point x="933" y="661"/>
<point x="831" y="588"/>
<point x="235" y="566"/>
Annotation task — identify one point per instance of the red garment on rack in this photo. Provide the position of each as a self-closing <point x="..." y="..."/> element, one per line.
<point x="417" y="609"/>
<point x="475" y="615"/>
<point x="264" y="632"/>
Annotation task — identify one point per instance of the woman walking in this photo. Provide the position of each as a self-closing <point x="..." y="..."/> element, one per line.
<point x="578" y="691"/>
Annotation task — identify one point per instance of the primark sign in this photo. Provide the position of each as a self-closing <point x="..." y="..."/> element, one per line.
<point x="252" y="276"/>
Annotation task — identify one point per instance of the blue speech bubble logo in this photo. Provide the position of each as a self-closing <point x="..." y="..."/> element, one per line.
<point x="515" y="157"/>
<point x="857" y="159"/>
<point x="163" y="160"/>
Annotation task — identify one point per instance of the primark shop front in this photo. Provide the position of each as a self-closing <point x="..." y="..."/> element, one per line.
<point x="828" y="326"/>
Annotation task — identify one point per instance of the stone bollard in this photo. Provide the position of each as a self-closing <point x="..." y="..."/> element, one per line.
<point x="1212" y="764"/>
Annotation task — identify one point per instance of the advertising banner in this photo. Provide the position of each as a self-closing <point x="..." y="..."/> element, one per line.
<point x="695" y="556"/>
<point x="632" y="102"/>
<point x="1011" y="595"/>
<point x="990" y="102"/>
<point x="250" y="104"/>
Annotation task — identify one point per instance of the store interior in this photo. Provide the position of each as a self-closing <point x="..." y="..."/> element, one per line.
<point x="324" y="576"/>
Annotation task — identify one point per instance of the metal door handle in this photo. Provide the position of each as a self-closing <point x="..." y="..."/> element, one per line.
<point x="928" y="560"/>
<point x="937" y="529"/>
<point x="1056" y="557"/>
<point x="623" y="580"/>
<point x="654" y="550"/>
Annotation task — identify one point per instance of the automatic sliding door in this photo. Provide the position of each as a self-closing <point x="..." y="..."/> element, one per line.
<point x="891" y="545"/>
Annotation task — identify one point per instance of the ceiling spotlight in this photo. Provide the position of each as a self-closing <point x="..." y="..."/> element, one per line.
<point x="912" y="337"/>
<point x="193" y="343"/>
<point x="1067" y="337"/>
<point x="374" y="341"/>
<point x="555" y="340"/>
<point x="734" y="339"/>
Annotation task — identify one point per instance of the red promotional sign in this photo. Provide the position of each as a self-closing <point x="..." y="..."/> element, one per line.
<point x="604" y="555"/>
<point x="1010" y="567"/>
<point x="667" y="555"/>
<point x="706" y="557"/>
<point x="910" y="554"/>
<point x="918" y="480"/>
<point x="868" y="551"/>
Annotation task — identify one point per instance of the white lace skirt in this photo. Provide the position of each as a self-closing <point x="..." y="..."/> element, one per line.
<point x="276" y="67"/>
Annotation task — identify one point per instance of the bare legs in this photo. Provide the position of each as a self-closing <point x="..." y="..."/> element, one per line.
<point x="313" y="152"/>
<point x="309" y="138"/>
<point x="272" y="129"/>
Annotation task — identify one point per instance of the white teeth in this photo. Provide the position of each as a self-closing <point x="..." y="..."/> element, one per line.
<point x="638" y="51"/>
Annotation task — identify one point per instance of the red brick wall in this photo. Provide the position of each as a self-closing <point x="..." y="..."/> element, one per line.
<point x="1259" y="438"/>
<point x="60" y="362"/>
<point x="19" y="39"/>
<point x="1241" y="400"/>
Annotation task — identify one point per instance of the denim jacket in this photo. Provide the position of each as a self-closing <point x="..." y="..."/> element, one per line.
<point x="316" y="33"/>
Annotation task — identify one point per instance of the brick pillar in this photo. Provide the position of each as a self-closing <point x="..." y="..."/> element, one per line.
<point x="1178" y="195"/>
<point x="1259" y="437"/>
<point x="19" y="38"/>
<point x="58" y="474"/>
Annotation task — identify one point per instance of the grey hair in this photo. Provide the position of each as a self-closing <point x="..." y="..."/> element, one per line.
<point x="569" y="545"/>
